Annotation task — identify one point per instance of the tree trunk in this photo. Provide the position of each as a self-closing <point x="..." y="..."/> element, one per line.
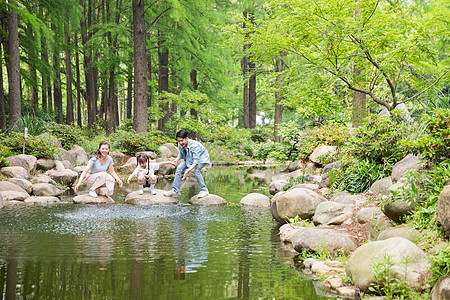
<point x="46" y="86"/>
<point x="163" y="81"/>
<point x="280" y="67"/>
<point x="77" y="83"/>
<point x="140" y="121"/>
<point x="149" y="77"/>
<point x="13" y="67"/>
<point x="69" y="99"/>
<point x="244" y="66"/>
<point x="129" y="92"/>
<point x="32" y="71"/>
<point x="2" y="96"/>
<point x="194" y="83"/>
<point x="252" y="95"/>
<point x="57" y="93"/>
<point x="359" y="112"/>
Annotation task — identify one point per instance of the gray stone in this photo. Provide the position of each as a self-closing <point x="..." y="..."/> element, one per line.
<point x="42" y="200"/>
<point x="117" y="157"/>
<point x="166" y="169"/>
<point x="45" y="189"/>
<point x="360" y="266"/>
<point x="376" y="225"/>
<point x="129" y="166"/>
<point x="67" y="165"/>
<point x="287" y="231"/>
<point x="441" y="289"/>
<point x="309" y="186"/>
<point x="332" y="213"/>
<point x="165" y="152"/>
<point x="15" y="172"/>
<point x="340" y="194"/>
<point x="1" y="201"/>
<point x="406" y="232"/>
<point x="402" y="107"/>
<point x="14" y="195"/>
<point x="256" y="200"/>
<point x="149" y="199"/>
<point x="277" y="186"/>
<point x="173" y="149"/>
<point x="286" y="176"/>
<point x="322" y="151"/>
<point x="331" y="166"/>
<point x="28" y="162"/>
<point x="210" y="200"/>
<point x="45" y="164"/>
<point x="86" y="199"/>
<point x="347" y="199"/>
<point x="381" y="187"/>
<point x="66" y="177"/>
<point x="150" y="154"/>
<point x="11" y="186"/>
<point x="365" y="214"/>
<point x="310" y="167"/>
<point x="398" y="210"/>
<point x="410" y="162"/>
<point x="320" y="239"/>
<point x="59" y="166"/>
<point x="295" y="165"/>
<point x="297" y="202"/>
<point x="79" y="169"/>
<point x="23" y="183"/>
<point x="80" y="155"/>
<point x="443" y="210"/>
<point x="65" y="155"/>
<point x="43" y="179"/>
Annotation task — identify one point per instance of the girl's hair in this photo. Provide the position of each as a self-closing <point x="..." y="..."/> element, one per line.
<point x="142" y="158"/>
<point x="98" y="154"/>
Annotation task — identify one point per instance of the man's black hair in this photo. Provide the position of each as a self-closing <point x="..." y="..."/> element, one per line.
<point x="182" y="134"/>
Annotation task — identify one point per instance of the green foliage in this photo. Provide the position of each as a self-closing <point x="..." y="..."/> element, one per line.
<point x="434" y="142"/>
<point x="385" y="281"/>
<point x="294" y="181"/>
<point x="35" y="125"/>
<point x="299" y="222"/>
<point x="273" y="151"/>
<point x="68" y="135"/>
<point x="261" y="134"/>
<point x="440" y="264"/>
<point x="132" y="142"/>
<point x="41" y="146"/>
<point x="4" y="153"/>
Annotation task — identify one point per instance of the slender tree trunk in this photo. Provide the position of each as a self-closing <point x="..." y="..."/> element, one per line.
<point x="46" y="86"/>
<point x="13" y="67"/>
<point x="2" y="95"/>
<point x="69" y="98"/>
<point x="359" y="112"/>
<point x="57" y="93"/>
<point x="32" y="71"/>
<point x="129" y="92"/>
<point x="244" y="65"/>
<point x="163" y="80"/>
<point x="77" y="84"/>
<point x="140" y="121"/>
<point x="252" y="95"/>
<point x="280" y="67"/>
<point x="193" y="76"/>
<point x="149" y="76"/>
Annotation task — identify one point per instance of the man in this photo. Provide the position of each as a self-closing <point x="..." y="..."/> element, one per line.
<point x="195" y="157"/>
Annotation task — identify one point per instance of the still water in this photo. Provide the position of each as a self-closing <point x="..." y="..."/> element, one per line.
<point x="178" y="252"/>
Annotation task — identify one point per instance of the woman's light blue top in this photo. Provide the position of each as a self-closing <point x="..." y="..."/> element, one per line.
<point x="97" y="166"/>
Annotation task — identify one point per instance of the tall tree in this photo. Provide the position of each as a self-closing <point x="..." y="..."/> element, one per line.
<point x="279" y="68"/>
<point x="140" y="120"/>
<point x="69" y="98"/>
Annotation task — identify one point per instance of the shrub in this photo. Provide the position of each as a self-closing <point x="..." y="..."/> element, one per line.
<point x="261" y="134"/>
<point x="68" y="135"/>
<point x="41" y="146"/>
<point x="440" y="264"/>
<point x="4" y="153"/>
<point x="132" y="142"/>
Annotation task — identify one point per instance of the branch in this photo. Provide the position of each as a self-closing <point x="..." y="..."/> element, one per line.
<point x="427" y="88"/>
<point x="158" y="17"/>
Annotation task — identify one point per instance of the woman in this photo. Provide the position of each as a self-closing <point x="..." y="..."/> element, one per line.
<point x="95" y="175"/>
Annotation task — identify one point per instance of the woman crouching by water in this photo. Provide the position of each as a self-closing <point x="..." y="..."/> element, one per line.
<point x="95" y="176"/>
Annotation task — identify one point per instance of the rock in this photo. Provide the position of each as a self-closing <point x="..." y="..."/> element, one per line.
<point x="295" y="165"/>
<point x="441" y="289"/>
<point x="286" y="176"/>
<point x="41" y="200"/>
<point x="325" y="182"/>
<point x="310" y="167"/>
<point x="309" y="186"/>
<point x="331" y="166"/>
<point x="152" y="155"/>
<point x="256" y="200"/>
<point x="347" y="199"/>
<point x="316" y="239"/>
<point x="443" y="210"/>
<point x="309" y="262"/>
<point x="10" y="186"/>
<point x="410" y="162"/>
<point x="2" y="203"/>
<point x="67" y="165"/>
<point x="209" y="200"/>
<point x="321" y="268"/>
<point x="28" y="162"/>
<point x="129" y="166"/>
<point x="66" y="177"/>
<point x="45" y="189"/>
<point x="117" y="157"/>
<point x="360" y="266"/>
<point x="287" y="231"/>
<point x="340" y="194"/>
<point x="23" y="183"/>
<point x="81" y="157"/>
<point x="335" y="282"/>
<point x="149" y="199"/>
<point x="406" y="232"/>
<point x="45" y="164"/>
<point x="11" y="195"/>
<point x="173" y="149"/>
<point x="297" y="202"/>
<point x="381" y="187"/>
<point x="365" y="214"/>
<point x="402" y="107"/>
<point x="166" y="169"/>
<point x="15" y="172"/>
<point x="277" y="186"/>
<point x="59" y="166"/>
<point x="43" y="179"/>
<point x="65" y="155"/>
<point x="322" y="151"/>
<point x="86" y="199"/>
<point x="376" y="225"/>
<point x="398" y="210"/>
<point x="165" y="152"/>
<point x="332" y="213"/>
<point x="350" y="292"/>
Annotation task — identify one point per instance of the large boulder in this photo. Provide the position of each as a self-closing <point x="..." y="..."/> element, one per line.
<point x="173" y="149"/>
<point x="1" y="201"/>
<point x="406" y="232"/>
<point x="365" y="214"/>
<point x="129" y="166"/>
<point x="309" y="186"/>
<point x="65" y="155"/>
<point x="45" y="164"/>
<point x="443" y="210"/>
<point x="117" y="157"/>
<point x="441" y="289"/>
<point x="86" y="199"/>
<point x="28" y="162"/>
<point x="381" y="187"/>
<point x="297" y="202"/>
<point x="150" y="154"/>
<point x="45" y="189"/>
<point x="410" y="162"/>
<point x="166" y="169"/>
<point x="332" y="213"/>
<point x="42" y="178"/>
<point x="210" y="200"/>
<point x="360" y="266"/>
<point x="287" y="231"/>
<point x="11" y="186"/>
<point x="320" y="239"/>
<point x="398" y="210"/>
<point x="255" y="200"/>
<point x="23" y="183"/>
<point x="15" y="172"/>
<point x="277" y="186"/>
<point x="149" y="199"/>
<point x="65" y="177"/>
<point x="11" y="195"/>
<point x="165" y="152"/>
<point x="323" y="150"/>
<point x="44" y="200"/>
<point x="81" y="157"/>
<point x="295" y="165"/>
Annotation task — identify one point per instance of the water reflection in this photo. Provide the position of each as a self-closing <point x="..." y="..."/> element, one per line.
<point x="161" y="252"/>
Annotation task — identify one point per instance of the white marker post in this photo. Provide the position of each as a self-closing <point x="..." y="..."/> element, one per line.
<point x="25" y="135"/>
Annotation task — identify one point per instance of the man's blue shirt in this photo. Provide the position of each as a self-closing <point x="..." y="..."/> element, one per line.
<point x="194" y="153"/>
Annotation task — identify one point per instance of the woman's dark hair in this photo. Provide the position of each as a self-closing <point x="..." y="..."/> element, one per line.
<point x="143" y="158"/>
<point x="98" y="154"/>
<point x="182" y="134"/>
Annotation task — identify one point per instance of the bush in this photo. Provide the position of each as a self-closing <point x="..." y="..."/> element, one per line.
<point x="41" y="146"/>
<point x="68" y="135"/>
<point x="4" y="153"/>
<point x="440" y="264"/>
<point x="132" y="142"/>
<point x="261" y="134"/>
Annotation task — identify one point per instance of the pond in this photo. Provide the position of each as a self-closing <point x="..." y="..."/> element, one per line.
<point x="121" y="251"/>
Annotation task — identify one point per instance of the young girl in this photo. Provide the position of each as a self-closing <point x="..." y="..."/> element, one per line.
<point x="145" y="172"/>
<point x="95" y="175"/>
